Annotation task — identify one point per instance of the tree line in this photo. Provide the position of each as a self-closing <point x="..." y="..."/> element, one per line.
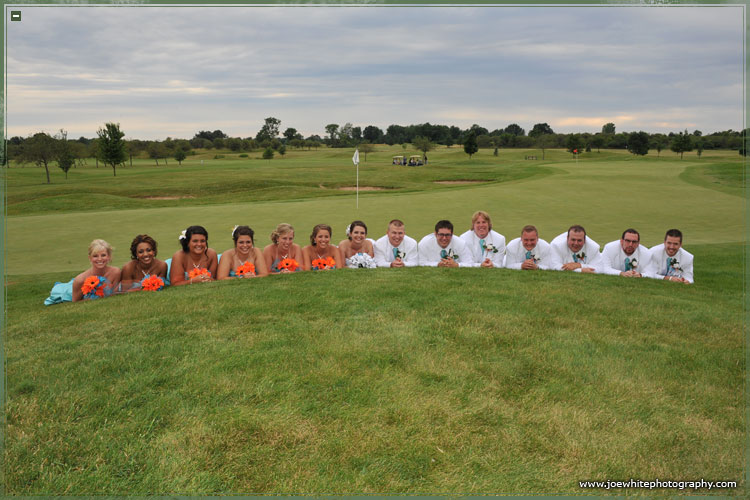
<point x="112" y="150"/>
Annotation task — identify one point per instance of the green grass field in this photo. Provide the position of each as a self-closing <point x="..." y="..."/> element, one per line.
<point x="428" y="381"/>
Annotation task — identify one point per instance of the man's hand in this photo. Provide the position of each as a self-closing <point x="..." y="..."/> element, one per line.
<point x="590" y="270"/>
<point x="487" y="263"/>
<point x="447" y="263"/>
<point x="570" y="266"/>
<point x="529" y="264"/>
<point x="397" y="263"/>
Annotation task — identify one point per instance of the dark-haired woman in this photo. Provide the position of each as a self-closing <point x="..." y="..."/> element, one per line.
<point x="357" y="246"/>
<point x="195" y="263"/>
<point x="320" y="254"/>
<point x="244" y="260"/>
<point x="143" y="264"/>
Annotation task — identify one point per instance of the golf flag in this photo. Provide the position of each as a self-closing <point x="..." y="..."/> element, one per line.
<point x="355" y="158"/>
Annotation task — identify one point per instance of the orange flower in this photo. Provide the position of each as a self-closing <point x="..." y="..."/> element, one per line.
<point x="90" y="284"/>
<point x="153" y="283"/>
<point x="246" y="268"/>
<point x="100" y="292"/>
<point x="198" y="271"/>
<point x="289" y="264"/>
<point x="330" y="262"/>
<point x="319" y="264"/>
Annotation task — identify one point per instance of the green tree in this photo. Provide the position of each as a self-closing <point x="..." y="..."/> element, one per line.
<point x="290" y="133"/>
<point x="638" y="143"/>
<point x="597" y="141"/>
<point x="699" y="147"/>
<point x="514" y="129"/>
<point x="574" y="143"/>
<point x="423" y="144"/>
<point x="544" y="141"/>
<point x="470" y="143"/>
<point x="365" y="148"/>
<point x="682" y="143"/>
<point x="282" y="150"/>
<point x="608" y="128"/>
<point x="268" y="153"/>
<point x="372" y="134"/>
<point x="332" y="129"/>
<point x="111" y="145"/>
<point x="40" y="149"/>
<point x="269" y="130"/>
<point x="65" y="157"/>
<point x="180" y="155"/>
<point x="540" y="129"/>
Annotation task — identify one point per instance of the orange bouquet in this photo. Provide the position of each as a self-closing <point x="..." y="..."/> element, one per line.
<point x="288" y="264"/>
<point x="93" y="286"/>
<point x="321" y="264"/>
<point x="198" y="271"/>
<point x="247" y="268"/>
<point x="152" y="283"/>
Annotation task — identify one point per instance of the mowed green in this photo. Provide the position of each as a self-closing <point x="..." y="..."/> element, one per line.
<point x="422" y="381"/>
<point x="605" y="192"/>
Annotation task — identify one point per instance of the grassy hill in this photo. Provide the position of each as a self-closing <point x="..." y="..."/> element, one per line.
<point x="429" y="381"/>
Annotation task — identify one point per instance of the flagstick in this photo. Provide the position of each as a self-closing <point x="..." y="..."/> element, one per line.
<point x="357" y="185"/>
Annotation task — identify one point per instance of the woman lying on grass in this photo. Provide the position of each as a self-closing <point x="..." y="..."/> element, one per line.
<point x="144" y="267"/>
<point x="357" y="250"/>
<point x="320" y="254"/>
<point x="244" y="260"/>
<point x="101" y="279"/>
<point x="283" y="255"/>
<point x="195" y="263"/>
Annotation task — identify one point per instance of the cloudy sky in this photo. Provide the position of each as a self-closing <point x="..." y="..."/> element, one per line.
<point x="172" y="71"/>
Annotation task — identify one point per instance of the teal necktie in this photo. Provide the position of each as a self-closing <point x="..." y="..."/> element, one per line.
<point x="443" y="253"/>
<point x="395" y="253"/>
<point x="628" y="267"/>
<point x="528" y="254"/>
<point x="481" y="245"/>
<point x="575" y="257"/>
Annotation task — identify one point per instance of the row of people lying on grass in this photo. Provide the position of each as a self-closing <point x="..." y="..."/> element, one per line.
<point x="480" y="247"/>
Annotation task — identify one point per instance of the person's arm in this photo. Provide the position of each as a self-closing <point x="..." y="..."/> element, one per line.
<point x="115" y="274"/>
<point x="162" y="269"/>
<point x="260" y="263"/>
<point x="369" y="250"/>
<point x="425" y="259"/>
<point x="128" y="277"/>
<point x="268" y="253"/>
<point x="306" y="258"/>
<point x="225" y="265"/>
<point x="339" y="258"/>
<point x="77" y="284"/>
<point x="177" y="273"/>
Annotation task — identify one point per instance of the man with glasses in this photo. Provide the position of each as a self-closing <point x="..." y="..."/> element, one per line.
<point x="442" y="249"/>
<point x="626" y="256"/>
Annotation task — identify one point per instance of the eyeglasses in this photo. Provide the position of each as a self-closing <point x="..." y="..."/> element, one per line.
<point x="444" y="235"/>
<point x="632" y="242"/>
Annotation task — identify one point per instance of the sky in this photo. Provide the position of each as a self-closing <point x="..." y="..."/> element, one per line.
<point x="174" y="71"/>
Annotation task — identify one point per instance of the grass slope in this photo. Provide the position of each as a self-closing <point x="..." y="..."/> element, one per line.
<point x="415" y="381"/>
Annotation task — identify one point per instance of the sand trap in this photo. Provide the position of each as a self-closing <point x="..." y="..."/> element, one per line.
<point x="459" y="182"/>
<point x="166" y="197"/>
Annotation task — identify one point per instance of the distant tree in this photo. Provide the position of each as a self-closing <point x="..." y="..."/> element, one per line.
<point x="597" y="141"/>
<point x="544" y="141"/>
<point x="681" y="143"/>
<point x="514" y="129"/>
<point x="233" y="143"/>
<point x="448" y="142"/>
<point x="111" y="145"/>
<point x="180" y="155"/>
<point x="332" y="129"/>
<point x="699" y="147"/>
<point x="470" y="143"/>
<point x="218" y="143"/>
<point x="290" y="134"/>
<point x="65" y="157"/>
<point x="269" y="130"/>
<point x="608" y="128"/>
<point x="365" y="148"/>
<point x="423" y="144"/>
<point x="297" y="143"/>
<point x="40" y="149"/>
<point x="479" y="130"/>
<point x="574" y="143"/>
<point x="697" y="133"/>
<point x="282" y="150"/>
<point x="268" y="153"/>
<point x="540" y="129"/>
<point x="485" y="141"/>
<point x="743" y="144"/>
<point x="154" y="151"/>
<point x="638" y="143"/>
<point x="357" y="134"/>
<point x="496" y="153"/>
<point x="372" y="134"/>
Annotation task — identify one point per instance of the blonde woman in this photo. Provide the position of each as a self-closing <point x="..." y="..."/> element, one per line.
<point x="101" y="279"/>
<point x="282" y="249"/>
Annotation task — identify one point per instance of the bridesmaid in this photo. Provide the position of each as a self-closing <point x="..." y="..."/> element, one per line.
<point x="282" y="247"/>
<point x="194" y="259"/>
<point x="143" y="264"/>
<point x="320" y="250"/>
<point x="101" y="279"/>
<point x="243" y="253"/>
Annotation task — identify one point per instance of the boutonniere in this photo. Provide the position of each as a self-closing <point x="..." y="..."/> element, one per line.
<point x="634" y="263"/>
<point x="674" y="264"/>
<point x="448" y="254"/>
<point x="581" y="255"/>
<point x="400" y="254"/>
<point x="489" y="247"/>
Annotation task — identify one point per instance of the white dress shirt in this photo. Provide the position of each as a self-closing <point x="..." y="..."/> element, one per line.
<point x="430" y="251"/>
<point x="515" y="254"/>
<point x="613" y="257"/>
<point x="561" y="254"/>
<point x="384" y="252"/>
<point x="478" y="255"/>
<point x="682" y="268"/>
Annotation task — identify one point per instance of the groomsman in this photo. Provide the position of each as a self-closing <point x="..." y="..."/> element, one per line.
<point x="669" y="261"/>
<point x="626" y="256"/>
<point x="528" y="251"/>
<point x="485" y="246"/>
<point x="442" y="249"/>
<point x="395" y="249"/>
<point x="574" y="251"/>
